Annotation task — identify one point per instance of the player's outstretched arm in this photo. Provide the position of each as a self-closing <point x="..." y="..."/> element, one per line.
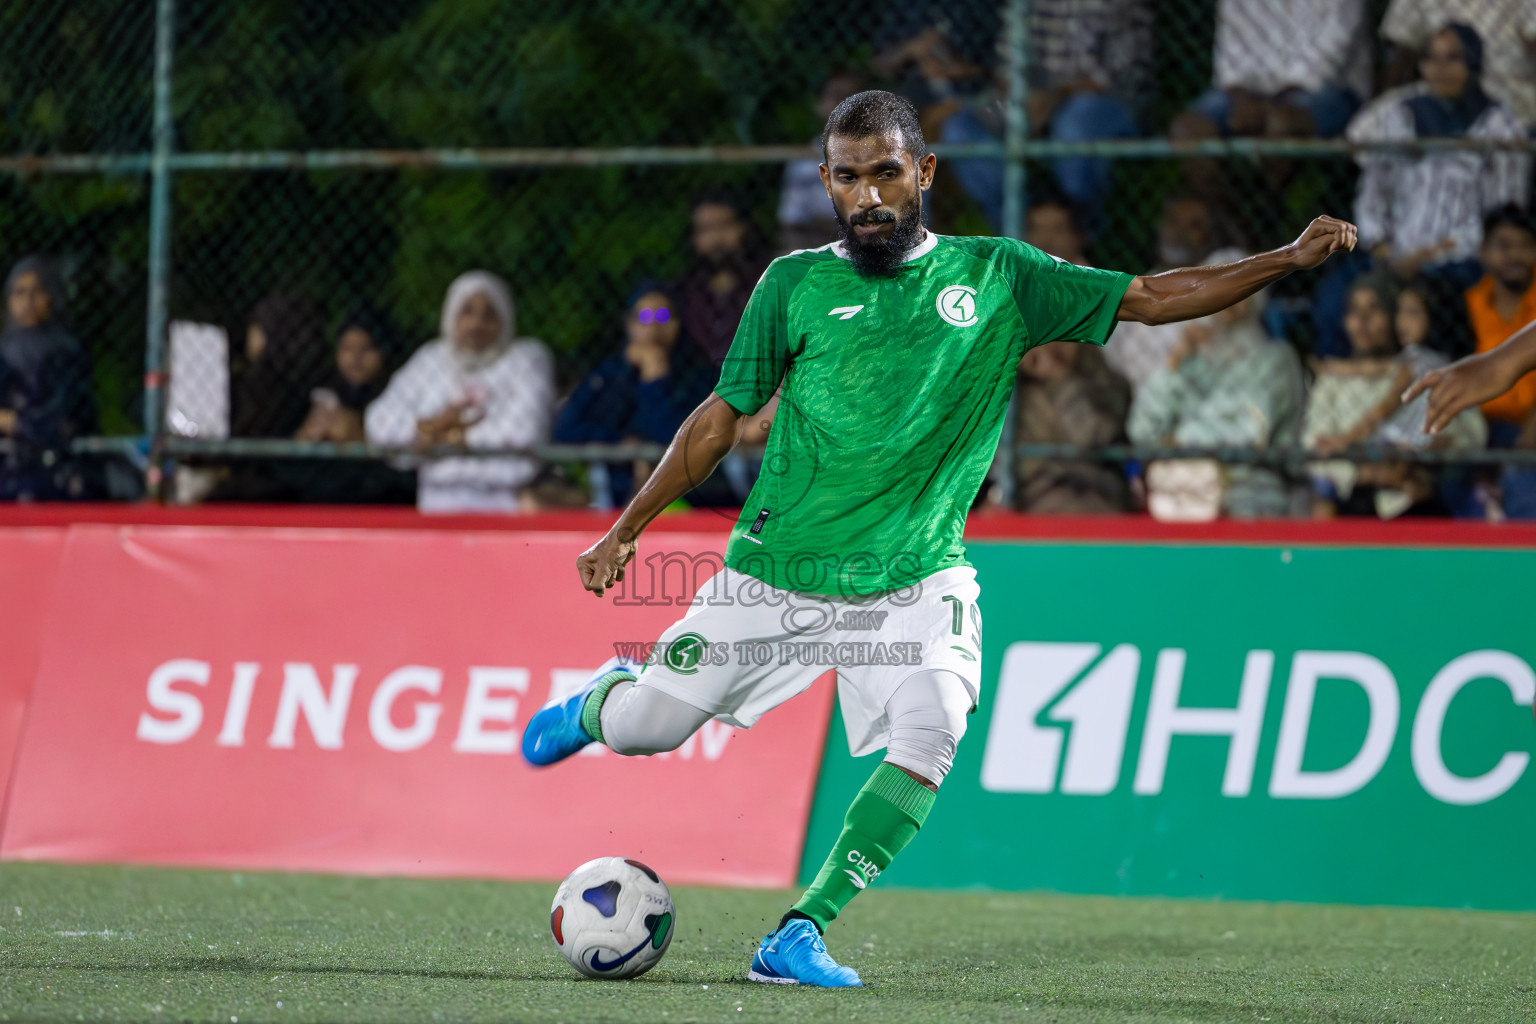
<point x="706" y="436"/>
<point x="1192" y="292"/>
<point x="1475" y="379"/>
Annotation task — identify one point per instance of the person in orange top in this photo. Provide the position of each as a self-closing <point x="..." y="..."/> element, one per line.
<point x="1500" y="304"/>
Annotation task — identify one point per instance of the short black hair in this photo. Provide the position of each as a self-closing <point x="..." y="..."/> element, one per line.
<point x="1509" y="215"/>
<point x="876" y="112"/>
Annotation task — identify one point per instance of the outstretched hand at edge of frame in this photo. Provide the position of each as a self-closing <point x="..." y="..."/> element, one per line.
<point x="1474" y="380"/>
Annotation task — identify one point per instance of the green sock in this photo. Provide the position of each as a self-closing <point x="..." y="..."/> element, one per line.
<point x="592" y="710"/>
<point x="882" y="819"/>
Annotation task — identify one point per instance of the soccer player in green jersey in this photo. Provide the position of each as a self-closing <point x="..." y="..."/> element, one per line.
<point x="893" y="353"/>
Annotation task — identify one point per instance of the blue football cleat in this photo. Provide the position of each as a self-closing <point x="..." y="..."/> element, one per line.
<point x="795" y="955"/>
<point x="555" y="733"/>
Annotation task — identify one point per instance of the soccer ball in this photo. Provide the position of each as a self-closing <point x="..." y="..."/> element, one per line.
<point x="613" y="918"/>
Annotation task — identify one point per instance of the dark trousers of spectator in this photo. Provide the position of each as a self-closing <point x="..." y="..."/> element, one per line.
<point x="1084" y="180"/>
<point x="1517" y="482"/>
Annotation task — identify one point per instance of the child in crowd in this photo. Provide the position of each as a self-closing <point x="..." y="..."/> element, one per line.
<point x="1355" y="401"/>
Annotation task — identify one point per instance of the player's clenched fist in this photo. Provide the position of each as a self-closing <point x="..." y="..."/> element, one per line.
<point x="602" y="565"/>
<point x="1323" y="237"/>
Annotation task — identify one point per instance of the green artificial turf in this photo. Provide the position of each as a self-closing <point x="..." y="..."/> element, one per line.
<point x="107" y="943"/>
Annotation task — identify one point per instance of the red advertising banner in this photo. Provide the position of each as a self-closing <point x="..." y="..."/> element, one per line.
<point x="353" y="700"/>
<point x="28" y="558"/>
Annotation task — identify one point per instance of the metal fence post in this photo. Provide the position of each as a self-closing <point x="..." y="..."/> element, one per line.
<point x="1015" y="132"/>
<point x="1016" y="118"/>
<point x="159" y="236"/>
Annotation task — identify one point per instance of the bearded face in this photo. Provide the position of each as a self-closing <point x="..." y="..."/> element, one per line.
<point x="874" y="254"/>
<point x="877" y="186"/>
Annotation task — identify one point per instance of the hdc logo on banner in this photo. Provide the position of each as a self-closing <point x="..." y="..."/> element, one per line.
<point x="1064" y="696"/>
<point x="1252" y="722"/>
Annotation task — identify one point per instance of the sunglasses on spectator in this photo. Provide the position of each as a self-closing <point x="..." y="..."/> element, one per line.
<point x="659" y="315"/>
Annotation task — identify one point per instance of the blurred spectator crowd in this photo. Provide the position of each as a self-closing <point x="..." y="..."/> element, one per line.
<point x="1446" y="266"/>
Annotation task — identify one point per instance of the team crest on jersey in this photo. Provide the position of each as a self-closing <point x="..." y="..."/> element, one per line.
<point x="685" y="653"/>
<point x="957" y="305"/>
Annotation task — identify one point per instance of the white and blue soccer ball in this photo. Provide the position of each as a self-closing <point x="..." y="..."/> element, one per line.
<point x="613" y="918"/>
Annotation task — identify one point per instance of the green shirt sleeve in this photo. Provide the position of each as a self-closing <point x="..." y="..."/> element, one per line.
<point x="759" y="353"/>
<point x="1060" y="301"/>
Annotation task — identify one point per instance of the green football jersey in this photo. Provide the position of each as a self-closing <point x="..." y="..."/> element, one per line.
<point x="893" y="395"/>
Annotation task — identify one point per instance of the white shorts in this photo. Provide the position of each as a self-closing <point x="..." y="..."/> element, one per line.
<point x="746" y="647"/>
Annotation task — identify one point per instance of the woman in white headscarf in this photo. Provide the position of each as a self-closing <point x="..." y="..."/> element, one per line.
<point x="476" y="384"/>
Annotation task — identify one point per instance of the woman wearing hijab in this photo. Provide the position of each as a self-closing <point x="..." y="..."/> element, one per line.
<point x="45" y="398"/>
<point x="358" y="376"/>
<point x="477" y="384"/>
<point x="1423" y="213"/>
<point x="270" y="379"/>
<point x="282" y="360"/>
<point x="336" y="408"/>
<point x="642" y="392"/>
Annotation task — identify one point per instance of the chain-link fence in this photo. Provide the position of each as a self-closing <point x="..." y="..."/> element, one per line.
<point x="279" y="195"/>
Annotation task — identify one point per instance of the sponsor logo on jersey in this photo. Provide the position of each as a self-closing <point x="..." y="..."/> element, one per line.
<point x="848" y="312"/>
<point x="957" y="305"/>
